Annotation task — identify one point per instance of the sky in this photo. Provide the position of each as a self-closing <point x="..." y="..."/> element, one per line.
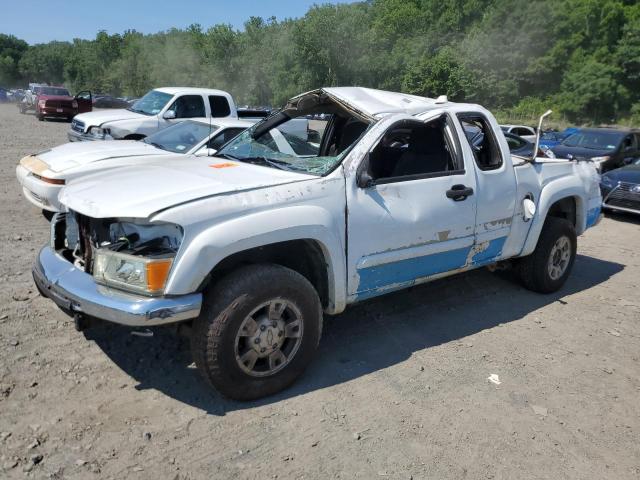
<point x="38" y="21"/>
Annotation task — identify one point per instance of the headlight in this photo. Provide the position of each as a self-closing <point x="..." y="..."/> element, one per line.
<point x="600" y="159"/>
<point x="74" y="104"/>
<point x="42" y="103"/>
<point x="97" y="132"/>
<point x="606" y="181"/>
<point x="128" y="272"/>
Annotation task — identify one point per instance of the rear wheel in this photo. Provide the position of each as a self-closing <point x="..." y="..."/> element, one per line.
<point x="550" y="264"/>
<point x="258" y="330"/>
<point x="40" y="117"/>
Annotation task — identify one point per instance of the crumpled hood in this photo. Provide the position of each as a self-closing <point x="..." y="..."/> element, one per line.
<point x="76" y="154"/>
<point x="98" y="118"/>
<point x="140" y="191"/>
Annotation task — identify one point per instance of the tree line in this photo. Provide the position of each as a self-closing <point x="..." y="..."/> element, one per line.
<point x="579" y="57"/>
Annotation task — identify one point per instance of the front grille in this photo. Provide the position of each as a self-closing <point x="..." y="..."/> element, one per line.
<point x="624" y="196"/>
<point x="77" y="126"/>
<point x="59" y="104"/>
<point x="37" y="197"/>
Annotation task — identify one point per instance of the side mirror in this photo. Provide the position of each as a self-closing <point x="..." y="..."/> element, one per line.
<point x="169" y="115"/>
<point x="363" y="177"/>
<point x="365" y="180"/>
<point x="539" y="130"/>
<point x="206" y="152"/>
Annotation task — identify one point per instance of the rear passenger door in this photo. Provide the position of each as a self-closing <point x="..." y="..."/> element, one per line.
<point x="219" y="106"/>
<point x="496" y="187"/>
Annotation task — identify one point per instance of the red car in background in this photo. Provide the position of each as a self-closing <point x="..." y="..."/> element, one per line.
<point x="58" y="102"/>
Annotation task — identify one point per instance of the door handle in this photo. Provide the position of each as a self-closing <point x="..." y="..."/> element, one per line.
<point x="459" y="193"/>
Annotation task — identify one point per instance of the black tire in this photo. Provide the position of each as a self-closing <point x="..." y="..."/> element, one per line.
<point x="40" y="117"/>
<point x="534" y="269"/>
<point x="48" y="214"/>
<point x="225" y="307"/>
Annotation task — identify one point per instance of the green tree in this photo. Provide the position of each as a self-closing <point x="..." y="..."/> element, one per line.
<point x="441" y="74"/>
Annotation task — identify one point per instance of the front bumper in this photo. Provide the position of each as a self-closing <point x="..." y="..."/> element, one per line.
<point x="75" y="291"/>
<point x="64" y="112"/>
<point x="74" y="136"/>
<point x="624" y="197"/>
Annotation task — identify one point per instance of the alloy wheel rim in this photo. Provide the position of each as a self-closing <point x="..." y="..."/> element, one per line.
<point x="559" y="258"/>
<point x="269" y="338"/>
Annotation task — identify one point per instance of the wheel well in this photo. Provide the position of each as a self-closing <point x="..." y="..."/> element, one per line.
<point x="564" y="208"/>
<point x="134" y="136"/>
<point x="303" y="256"/>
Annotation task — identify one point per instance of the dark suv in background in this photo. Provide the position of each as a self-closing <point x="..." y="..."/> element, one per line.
<point x="608" y="148"/>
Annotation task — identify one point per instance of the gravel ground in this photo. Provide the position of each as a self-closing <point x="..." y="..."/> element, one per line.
<point x="399" y="388"/>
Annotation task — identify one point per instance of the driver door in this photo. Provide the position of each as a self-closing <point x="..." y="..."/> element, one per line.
<point x="85" y="101"/>
<point x="415" y="217"/>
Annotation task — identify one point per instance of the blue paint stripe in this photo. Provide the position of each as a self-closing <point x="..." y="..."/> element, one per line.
<point x="593" y="215"/>
<point x="493" y="251"/>
<point x="373" y="280"/>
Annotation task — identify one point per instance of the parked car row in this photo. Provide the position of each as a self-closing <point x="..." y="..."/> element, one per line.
<point x="608" y="148"/>
<point x="249" y="231"/>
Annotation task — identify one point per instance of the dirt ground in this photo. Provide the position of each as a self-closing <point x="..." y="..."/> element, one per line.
<point x="398" y="390"/>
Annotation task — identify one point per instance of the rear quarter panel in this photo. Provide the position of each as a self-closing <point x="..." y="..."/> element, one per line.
<point x="551" y="181"/>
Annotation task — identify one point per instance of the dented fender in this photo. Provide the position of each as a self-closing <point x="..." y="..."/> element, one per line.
<point x="260" y="218"/>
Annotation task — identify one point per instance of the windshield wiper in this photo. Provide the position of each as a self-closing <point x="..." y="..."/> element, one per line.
<point x="135" y="110"/>
<point x="228" y="157"/>
<point x="280" y="164"/>
<point x="157" y="145"/>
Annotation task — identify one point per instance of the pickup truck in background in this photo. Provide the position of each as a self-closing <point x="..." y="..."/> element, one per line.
<point x="55" y="102"/>
<point x="156" y="110"/>
<point x="250" y="248"/>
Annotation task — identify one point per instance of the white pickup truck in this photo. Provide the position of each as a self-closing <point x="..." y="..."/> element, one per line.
<point x="251" y="247"/>
<point x="157" y="109"/>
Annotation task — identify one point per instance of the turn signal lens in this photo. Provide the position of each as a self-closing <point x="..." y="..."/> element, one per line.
<point x="53" y="181"/>
<point x="157" y="273"/>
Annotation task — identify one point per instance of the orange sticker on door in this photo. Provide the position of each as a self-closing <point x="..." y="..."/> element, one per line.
<point x="223" y="165"/>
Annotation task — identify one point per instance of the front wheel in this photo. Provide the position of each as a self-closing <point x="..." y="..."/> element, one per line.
<point x="548" y="267"/>
<point x="258" y="330"/>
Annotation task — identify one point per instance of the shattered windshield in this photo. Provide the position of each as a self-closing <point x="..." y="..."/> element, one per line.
<point x="151" y="103"/>
<point x="181" y="137"/>
<point x="294" y="145"/>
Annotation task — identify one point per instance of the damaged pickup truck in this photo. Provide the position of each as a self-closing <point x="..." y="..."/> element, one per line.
<point x="250" y="248"/>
